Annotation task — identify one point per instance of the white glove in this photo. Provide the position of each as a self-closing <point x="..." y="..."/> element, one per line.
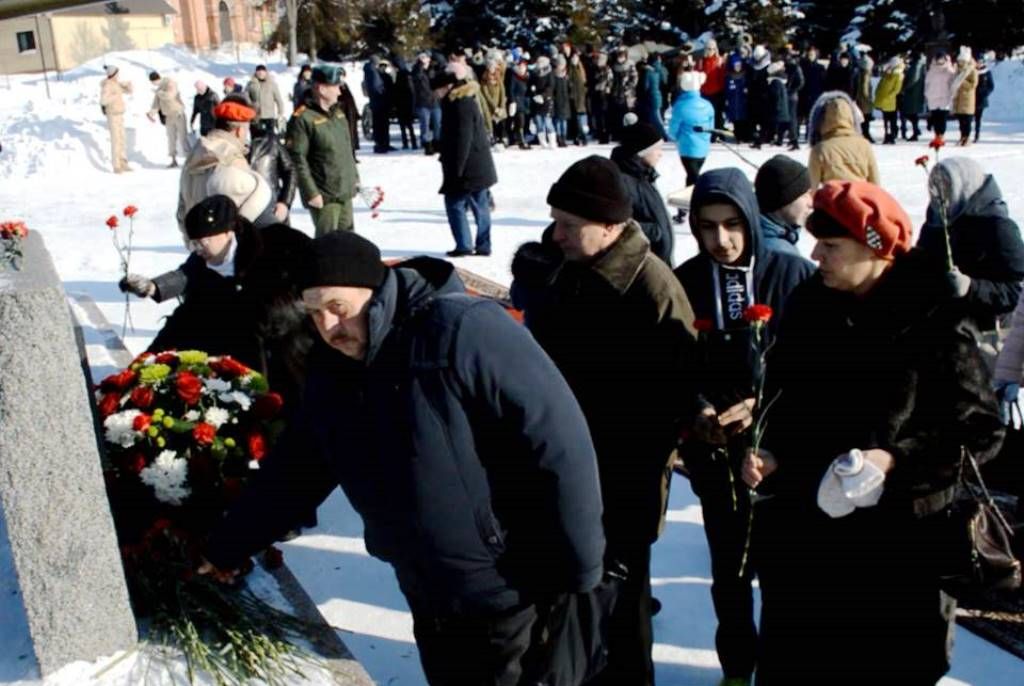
<point x="539" y="99"/>
<point x="850" y="482"/>
<point x="512" y="110"/>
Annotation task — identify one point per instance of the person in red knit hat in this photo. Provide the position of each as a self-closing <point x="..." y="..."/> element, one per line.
<point x="879" y="384"/>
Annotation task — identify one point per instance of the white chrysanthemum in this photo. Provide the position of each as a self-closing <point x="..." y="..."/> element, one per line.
<point x="254" y="465"/>
<point x="191" y="416"/>
<point x="166" y="476"/>
<point x="238" y="398"/>
<point x="217" y="416"/>
<point x="217" y="385"/>
<point x="119" y="429"/>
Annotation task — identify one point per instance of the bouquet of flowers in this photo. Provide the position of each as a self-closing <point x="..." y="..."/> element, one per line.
<point x="374" y="198"/>
<point x="183" y="430"/>
<point x="11" y="235"/>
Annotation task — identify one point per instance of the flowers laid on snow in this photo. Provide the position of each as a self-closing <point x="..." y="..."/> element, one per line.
<point x="183" y="432"/>
<point x="12" y="233"/>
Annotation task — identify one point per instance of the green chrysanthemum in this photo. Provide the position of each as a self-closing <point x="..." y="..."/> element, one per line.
<point x="154" y="374"/>
<point x="193" y="357"/>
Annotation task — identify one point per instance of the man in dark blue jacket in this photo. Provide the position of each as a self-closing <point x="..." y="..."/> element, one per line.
<point x="456" y="439"/>
<point x="375" y="85"/>
<point x="732" y="271"/>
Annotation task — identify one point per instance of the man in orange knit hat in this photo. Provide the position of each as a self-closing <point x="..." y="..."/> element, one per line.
<point x="880" y="385"/>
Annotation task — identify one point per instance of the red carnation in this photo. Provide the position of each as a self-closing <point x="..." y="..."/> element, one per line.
<point x="135" y="463"/>
<point x="228" y="367"/>
<point x="757" y="313"/>
<point x="120" y="381"/>
<point x="189" y="387"/>
<point x="141" y="422"/>
<point x="268" y="405"/>
<point x="142" y="397"/>
<point x="922" y="161"/>
<point x="109" y="403"/>
<point x="204" y="433"/>
<point x="257" y="446"/>
<point x="112" y="222"/>
<point x="936" y="143"/>
<point x="703" y="325"/>
<point x="166" y="358"/>
<point x="130" y="211"/>
<point x="273" y="558"/>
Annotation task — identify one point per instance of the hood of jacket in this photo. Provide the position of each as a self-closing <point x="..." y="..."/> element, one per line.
<point x="834" y="114"/>
<point x="631" y="164"/>
<point x="409" y="286"/>
<point x="215" y="148"/>
<point x="732" y="185"/>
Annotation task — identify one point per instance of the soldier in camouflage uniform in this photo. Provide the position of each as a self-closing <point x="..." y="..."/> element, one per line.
<point x="320" y="144"/>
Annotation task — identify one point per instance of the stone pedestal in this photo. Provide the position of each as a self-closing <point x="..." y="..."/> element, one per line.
<point x="58" y="523"/>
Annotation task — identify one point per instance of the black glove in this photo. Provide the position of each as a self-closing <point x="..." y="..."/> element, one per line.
<point x="138" y="285"/>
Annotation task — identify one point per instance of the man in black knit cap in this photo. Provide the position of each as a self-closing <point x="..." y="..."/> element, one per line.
<point x="617" y="323"/>
<point x="457" y="441"/>
<point x="785" y="198"/>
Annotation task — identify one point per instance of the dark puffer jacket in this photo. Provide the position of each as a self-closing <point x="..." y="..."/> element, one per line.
<point x="466" y="160"/>
<point x="270" y="159"/>
<point x="987" y="247"/>
<point x="456" y="440"/>
<point x="648" y="206"/>
<point x="896" y="370"/>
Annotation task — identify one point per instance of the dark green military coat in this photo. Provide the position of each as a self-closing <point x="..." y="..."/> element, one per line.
<point x="321" y="147"/>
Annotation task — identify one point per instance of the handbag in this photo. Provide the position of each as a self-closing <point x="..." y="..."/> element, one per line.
<point x="974" y="538"/>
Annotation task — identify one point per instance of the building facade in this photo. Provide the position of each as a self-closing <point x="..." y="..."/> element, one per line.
<point x="207" y="24"/>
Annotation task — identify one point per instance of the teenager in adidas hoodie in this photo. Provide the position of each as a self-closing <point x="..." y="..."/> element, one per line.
<point x="732" y="271"/>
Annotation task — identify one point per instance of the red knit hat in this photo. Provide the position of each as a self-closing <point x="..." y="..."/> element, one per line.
<point x="232" y="110"/>
<point x="864" y="212"/>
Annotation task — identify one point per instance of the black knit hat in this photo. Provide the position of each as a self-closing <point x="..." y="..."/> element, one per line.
<point x="213" y="215"/>
<point x="344" y="258"/>
<point x="593" y="189"/>
<point x="780" y="181"/>
<point x="638" y="137"/>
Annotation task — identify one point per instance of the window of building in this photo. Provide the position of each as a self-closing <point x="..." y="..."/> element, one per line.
<point x="26" y="41"/>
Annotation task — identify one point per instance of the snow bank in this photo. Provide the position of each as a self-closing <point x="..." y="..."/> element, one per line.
<point x="1004" y="105"/>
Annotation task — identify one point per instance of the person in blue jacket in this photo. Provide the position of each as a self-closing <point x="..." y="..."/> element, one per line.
<point x="736" y="98"/>
<point x="457" y="441"/>
<point x="648" y="106"/>
<point x="693" y="118"/>
<point x="786" y="199"/>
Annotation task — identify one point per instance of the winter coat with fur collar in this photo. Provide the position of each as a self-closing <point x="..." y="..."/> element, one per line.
<point x="466" y="160"/>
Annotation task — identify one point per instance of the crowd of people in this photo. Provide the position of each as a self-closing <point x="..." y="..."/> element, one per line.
<point x="516" y="476"/>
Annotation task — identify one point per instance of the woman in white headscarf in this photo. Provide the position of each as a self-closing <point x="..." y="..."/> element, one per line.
<point x="988" y="254"/>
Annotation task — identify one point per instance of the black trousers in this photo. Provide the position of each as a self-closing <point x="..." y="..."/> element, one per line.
<point x="692" y="167"/>
<point x="938" y="118"/>
<point x="630" y="634"/>
<point x="599" y="117"/>
<point x="892" y="126"/>
<point x="794" y="120"/>
<point x="616" y="112"/>
<point x="726" y="507"/>
<point x="913" y="119"/>
<point x="977" y="123"/>
<point x="965" y="121"/>
<point x="474" y="651"/>
<point x="381" y="128"/>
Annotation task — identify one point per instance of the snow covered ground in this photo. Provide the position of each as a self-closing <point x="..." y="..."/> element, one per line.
<point x="54" y="174"/>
